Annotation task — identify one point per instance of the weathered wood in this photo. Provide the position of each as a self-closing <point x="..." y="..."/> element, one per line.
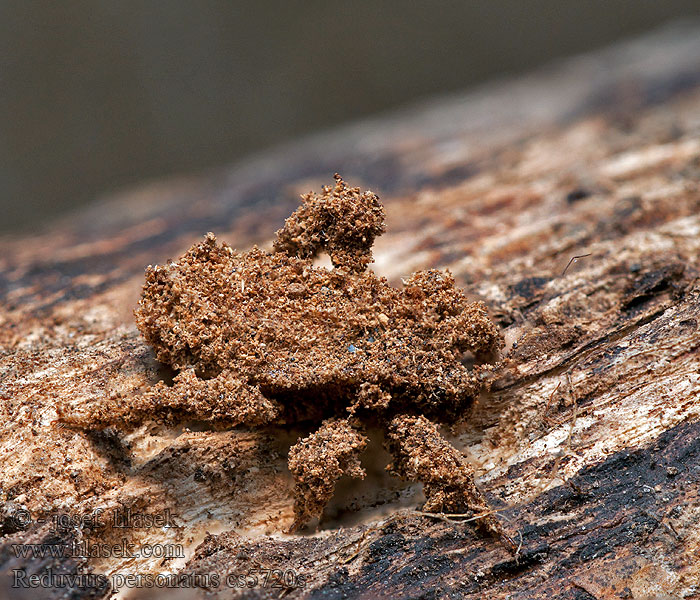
<point x="589" y="440"/>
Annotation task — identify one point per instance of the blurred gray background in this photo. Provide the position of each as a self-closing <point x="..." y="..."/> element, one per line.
<point x="97" y="95"/>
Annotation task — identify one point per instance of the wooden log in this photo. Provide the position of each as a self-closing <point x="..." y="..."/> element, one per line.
<point x="588" y="443"/>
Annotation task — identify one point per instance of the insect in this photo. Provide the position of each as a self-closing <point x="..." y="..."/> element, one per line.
<point x="265" y="337"/>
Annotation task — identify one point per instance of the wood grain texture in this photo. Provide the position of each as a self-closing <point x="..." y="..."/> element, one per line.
<point x="589" y="441"/>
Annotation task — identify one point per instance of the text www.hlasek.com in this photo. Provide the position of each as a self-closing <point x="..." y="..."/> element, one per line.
<point x="89" y="549"/>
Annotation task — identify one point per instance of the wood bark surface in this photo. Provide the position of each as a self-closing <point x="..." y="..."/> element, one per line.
<point x="588" y="443"/>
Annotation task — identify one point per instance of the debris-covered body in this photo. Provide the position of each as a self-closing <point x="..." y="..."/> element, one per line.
<point x="267" y="337"/>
